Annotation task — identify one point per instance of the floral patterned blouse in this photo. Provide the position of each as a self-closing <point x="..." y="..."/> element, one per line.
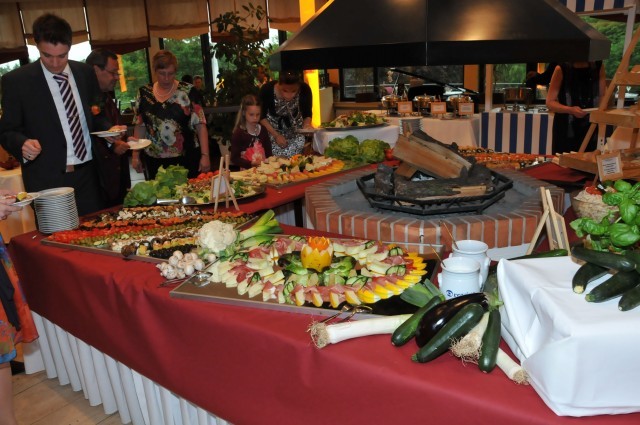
<point x="16" y="323"/>
<point x="171" y="125"/>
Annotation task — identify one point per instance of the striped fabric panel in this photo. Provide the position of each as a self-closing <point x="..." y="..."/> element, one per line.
<point x="516" y="132"/>
<point x="580" y="6"/>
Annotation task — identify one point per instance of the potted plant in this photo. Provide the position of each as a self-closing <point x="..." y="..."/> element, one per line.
<point x="239" y="51"/>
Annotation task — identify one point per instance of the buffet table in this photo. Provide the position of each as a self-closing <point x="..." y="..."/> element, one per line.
<point x="517" y="132"/>
<point x="19" y="222"/>
<point x="463" y="131"/>
<point x="167" y="360"/>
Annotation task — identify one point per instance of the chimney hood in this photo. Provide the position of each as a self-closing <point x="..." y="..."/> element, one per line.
<point x="366" y="33"/>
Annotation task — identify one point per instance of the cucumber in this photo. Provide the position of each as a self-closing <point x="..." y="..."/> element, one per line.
<point x="395" y="251"/>
<point x="587" y="273"/>
<point x="457" y="327"/>
<point x="490" y="343"/>
<point x="630" y="299"/>
<point x="613" y="287"/>
<point x="399" y="269"/>
<point x="407" y="329"/>
<point x="604" y="259"/>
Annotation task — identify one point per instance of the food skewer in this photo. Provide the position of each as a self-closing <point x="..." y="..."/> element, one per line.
<point x="453" y="241"/>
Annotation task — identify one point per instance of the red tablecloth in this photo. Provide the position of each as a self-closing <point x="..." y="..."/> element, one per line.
<point x="555" y="174"/>
<point x="258" y="366"/>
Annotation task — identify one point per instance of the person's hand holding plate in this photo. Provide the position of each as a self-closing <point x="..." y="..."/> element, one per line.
<point x="137" y="144"/>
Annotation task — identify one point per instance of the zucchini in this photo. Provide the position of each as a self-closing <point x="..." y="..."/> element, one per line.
<point x="457" y="327"/>
<point x="613" y="287"/>
<point x="544" y="254"/>
<point x="490" y="343"/>
<point x="635" y="257"/>
<point x="436" y="318"/>
<point x="560" y="252"/>
<point x="407" y="330"/>
<point x="604" y="259"/>
<point x="587" y="273"/>
<point x="630" y="299"/>
<point x="491" y="284"/>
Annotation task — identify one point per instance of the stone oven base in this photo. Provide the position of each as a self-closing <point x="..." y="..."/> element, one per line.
<point x="338" y="206"/>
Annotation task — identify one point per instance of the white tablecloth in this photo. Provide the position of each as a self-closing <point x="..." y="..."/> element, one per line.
<point x="19" y="222"/>
<point x="581" y="357"/>
<point x="463" y="131"/>
<point x="387" y="133"/>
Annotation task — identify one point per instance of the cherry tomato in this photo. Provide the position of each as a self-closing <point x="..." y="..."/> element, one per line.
<point x="592" y="190"/>
<point x="388" y="154"/>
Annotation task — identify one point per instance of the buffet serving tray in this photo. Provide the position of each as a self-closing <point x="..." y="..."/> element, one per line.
<point x="101" y="251"/>
<point x="219" y="293"/>
<point x="297" y="182"/>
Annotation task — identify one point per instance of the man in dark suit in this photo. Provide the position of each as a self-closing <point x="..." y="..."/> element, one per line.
<point x="47" y="117"/>
<point x="113" y="161"/>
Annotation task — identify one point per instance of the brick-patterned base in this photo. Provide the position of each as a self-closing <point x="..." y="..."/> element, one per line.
<point x="498" y="230"/>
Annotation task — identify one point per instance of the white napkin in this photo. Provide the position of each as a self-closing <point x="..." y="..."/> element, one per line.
<point x="582" y="358"/>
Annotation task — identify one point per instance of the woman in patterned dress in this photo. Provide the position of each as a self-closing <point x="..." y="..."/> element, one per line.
<point x="167" y="115"/>
<point x="16" y="323"/>
<point x="286" y="108"/>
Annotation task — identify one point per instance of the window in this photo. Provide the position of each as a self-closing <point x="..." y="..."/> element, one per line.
<point x="135" y="70"/>
<point x="508" y="75"/>
<point x="189" y="55"/>
<point x="383" y="81"/>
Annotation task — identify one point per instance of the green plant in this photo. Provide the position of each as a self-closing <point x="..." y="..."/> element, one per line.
<point x="239" y="52"/>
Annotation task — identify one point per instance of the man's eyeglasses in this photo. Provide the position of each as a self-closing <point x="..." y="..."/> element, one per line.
<point x="114" y="73"/>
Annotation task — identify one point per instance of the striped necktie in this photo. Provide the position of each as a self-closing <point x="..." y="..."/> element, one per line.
<point x="71" y="109"/>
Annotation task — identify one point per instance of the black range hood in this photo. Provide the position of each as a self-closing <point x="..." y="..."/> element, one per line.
<point x="366" y="33"/>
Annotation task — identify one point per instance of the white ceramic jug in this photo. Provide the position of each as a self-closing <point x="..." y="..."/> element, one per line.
<point x="459" y="276"/>
<point x="476" y="250"/>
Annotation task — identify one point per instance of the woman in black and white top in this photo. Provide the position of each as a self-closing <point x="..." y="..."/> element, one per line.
<point x="286" y="108"/>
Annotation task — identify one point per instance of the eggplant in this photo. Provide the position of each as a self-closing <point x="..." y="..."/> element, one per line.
<point x="438" y="316"/>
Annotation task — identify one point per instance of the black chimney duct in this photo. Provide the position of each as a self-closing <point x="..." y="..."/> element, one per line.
<point x="366" y="33"/>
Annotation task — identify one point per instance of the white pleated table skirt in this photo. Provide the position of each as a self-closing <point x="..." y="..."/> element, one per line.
<point x="106" y="381"/>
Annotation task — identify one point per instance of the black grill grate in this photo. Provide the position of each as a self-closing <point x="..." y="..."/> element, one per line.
<point x="448" y="205"/>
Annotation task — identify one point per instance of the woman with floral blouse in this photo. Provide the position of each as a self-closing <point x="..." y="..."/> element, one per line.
<point x="176" y="126"/>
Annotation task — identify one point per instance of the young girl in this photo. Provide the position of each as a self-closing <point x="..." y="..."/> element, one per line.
<point x="250" y="144"/>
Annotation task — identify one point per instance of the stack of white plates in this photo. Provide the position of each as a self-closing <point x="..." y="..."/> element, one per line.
<point x="56" y="210"/>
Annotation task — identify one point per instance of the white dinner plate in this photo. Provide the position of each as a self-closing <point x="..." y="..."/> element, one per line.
<point x="108" y="133"/>
<point x="30" y="197"/>
<point x="56" y="191"/>
<point x="139" y="144"/>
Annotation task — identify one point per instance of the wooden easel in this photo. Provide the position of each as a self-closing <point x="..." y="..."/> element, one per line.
<point x="618" y="117"/>
<point x="555" y="224"/>
<point x="223" y="174"/>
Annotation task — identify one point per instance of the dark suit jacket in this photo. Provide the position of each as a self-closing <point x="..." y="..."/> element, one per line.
<point x="28" y="112"/>
<point x="113" y="169"/>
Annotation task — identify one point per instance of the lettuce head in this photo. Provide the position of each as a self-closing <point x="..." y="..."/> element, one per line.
<point x="343" y="148"/>
<point x="372" y="150"/>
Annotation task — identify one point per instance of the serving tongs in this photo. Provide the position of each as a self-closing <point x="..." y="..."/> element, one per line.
<point x="351" y="311"/>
